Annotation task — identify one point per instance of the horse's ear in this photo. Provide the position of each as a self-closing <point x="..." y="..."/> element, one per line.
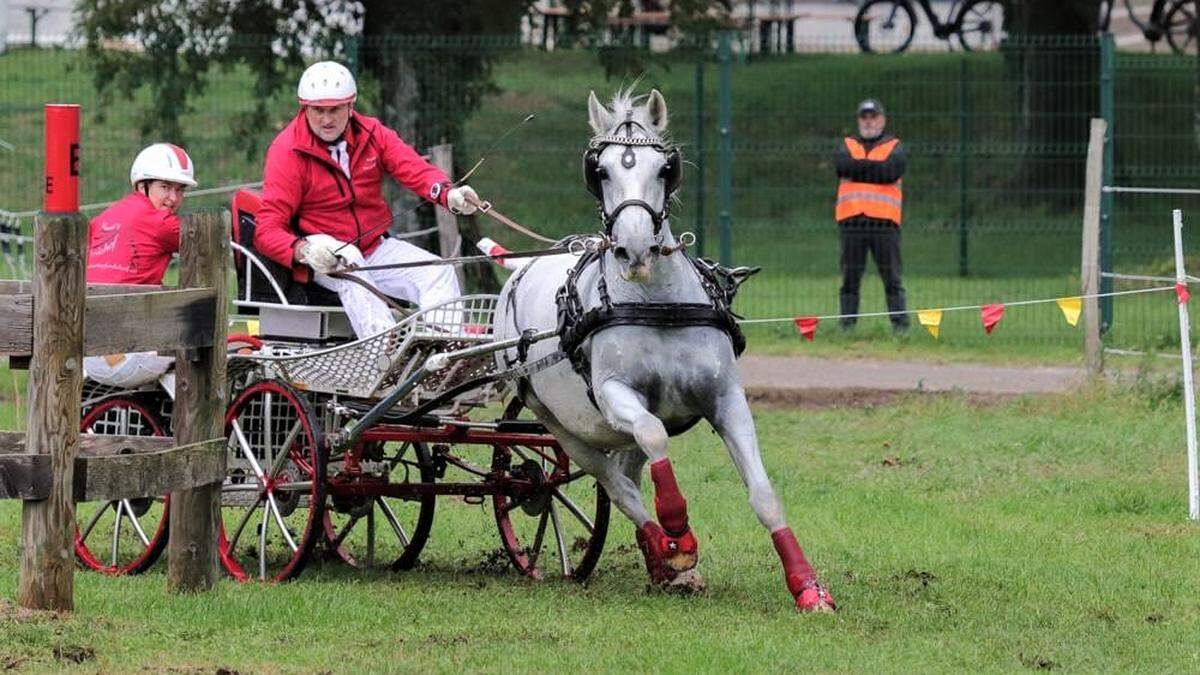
<point x="598" y="116"/>
<point x="656" y="106"/>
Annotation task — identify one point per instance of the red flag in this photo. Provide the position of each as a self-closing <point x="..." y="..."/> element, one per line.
<point x="991" y="315"/>
<point x="807" y="325"/>
<point x="1181" y="292"/>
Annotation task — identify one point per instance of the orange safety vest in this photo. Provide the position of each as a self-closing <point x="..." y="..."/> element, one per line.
<point x="873" y="200"/>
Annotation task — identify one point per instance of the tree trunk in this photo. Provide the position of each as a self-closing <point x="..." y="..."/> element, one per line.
<point x="1059" y="71"/>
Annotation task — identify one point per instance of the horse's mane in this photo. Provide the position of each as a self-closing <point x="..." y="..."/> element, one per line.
<point x="625" y="100"/>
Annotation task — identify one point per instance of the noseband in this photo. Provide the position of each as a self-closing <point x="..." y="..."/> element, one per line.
<point x="622" y="134"/>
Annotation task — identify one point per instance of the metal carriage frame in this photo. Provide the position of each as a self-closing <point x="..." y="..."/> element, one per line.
<point x="339" y="448"/>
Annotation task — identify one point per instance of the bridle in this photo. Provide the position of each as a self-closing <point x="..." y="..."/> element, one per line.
<point x="622" y="134"/>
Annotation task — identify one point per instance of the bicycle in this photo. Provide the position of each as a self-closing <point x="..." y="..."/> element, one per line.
<point x="1176" y="20"/>
<point x="888" y="26"/>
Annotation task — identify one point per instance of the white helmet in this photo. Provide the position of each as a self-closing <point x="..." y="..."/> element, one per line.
<point x="163" y="161"/>
<point x="326" y="83"/>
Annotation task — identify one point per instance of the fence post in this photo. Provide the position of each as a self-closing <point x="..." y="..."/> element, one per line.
<point x="46" y="578"/>
<point x="55" y="386"/>
<point x="1107" y="217"/>
<point x="698" y="97"/>
<point x="200" y="393"/>
<point x="725" y="144"/>
<point x="964" y="116"/>
<point x="1089" y="269"/>
<point x="449" y="237"/>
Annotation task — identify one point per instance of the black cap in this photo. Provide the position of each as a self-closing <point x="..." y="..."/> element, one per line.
<point x="870" y="106"/>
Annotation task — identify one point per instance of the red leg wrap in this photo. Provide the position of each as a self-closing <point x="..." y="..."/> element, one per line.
<point x="668" y="502"/>
<point x="802" y="582"/>
<point x="649" y="539"/>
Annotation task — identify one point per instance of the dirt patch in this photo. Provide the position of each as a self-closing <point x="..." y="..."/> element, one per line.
<point x="17" y="614"/>
<point x="825" y="398"/>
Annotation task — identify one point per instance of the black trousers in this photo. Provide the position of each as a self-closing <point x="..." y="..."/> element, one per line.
<point x="882" y="239"/>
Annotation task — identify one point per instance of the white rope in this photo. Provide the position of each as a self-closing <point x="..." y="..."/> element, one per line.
<point x="1151" y="190"/>
<point x="959" y="308"/>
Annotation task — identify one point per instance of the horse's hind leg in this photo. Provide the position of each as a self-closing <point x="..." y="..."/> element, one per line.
<point x="732" y="419"/>
<point x="671" y="549"/>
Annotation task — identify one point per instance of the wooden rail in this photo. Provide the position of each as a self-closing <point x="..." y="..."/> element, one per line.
<point x="55" y="320"/>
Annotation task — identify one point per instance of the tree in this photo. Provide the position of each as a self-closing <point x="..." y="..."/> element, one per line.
<point x="1054" y="46"/>
<point x="431" y="86"/>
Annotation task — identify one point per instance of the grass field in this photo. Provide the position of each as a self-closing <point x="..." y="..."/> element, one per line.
<point x="956" y="534"/>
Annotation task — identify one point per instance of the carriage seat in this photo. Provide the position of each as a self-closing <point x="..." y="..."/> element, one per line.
<point x="287" y="308"/>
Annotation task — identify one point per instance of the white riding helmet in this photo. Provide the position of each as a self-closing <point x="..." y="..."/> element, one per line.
<point x="326" y="83"/>
<point x="163" y="161"/>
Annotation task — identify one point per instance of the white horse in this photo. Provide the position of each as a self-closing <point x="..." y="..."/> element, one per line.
<point x="648" y="377"/>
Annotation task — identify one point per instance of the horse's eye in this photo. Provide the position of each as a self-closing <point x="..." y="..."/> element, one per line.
<point x="621" y="253"/>
<point x="655" y="250"/>
<point x="602" y="173"/>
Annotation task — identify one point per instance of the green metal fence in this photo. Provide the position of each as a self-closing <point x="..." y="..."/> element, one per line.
<point x="993" y="194"/>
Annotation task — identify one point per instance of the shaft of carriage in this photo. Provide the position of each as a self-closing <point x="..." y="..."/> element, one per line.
<point x="434" y="363"/>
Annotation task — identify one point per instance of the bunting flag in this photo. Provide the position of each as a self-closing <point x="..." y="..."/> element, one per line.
<point x="931" y="319"/>
<point x="1071" y="307"/>
<point x="991" y="315"/>
<point x="1181" y="292"/>
<point x="807" y="325"/>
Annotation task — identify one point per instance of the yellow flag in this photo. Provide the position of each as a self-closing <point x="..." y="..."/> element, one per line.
<point x="931" y="319"/>
<point x="252" y="326"/>
<point x="1071" y="307"/>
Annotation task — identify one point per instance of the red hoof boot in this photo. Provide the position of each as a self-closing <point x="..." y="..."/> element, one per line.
<point x="666" y="556"/>
<point x="814" y="597"/>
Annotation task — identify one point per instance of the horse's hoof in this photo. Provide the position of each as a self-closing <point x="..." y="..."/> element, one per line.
<point x="688" y="582"/>
<point x="815" y="598"/>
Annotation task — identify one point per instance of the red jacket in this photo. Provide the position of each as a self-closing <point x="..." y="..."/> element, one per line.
<point x="131" y="242"/>
<point x="306" y="192"/>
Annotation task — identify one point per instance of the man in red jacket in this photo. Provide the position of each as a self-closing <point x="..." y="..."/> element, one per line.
<point x="323" y="205"/>
<point x="132" y="241"/>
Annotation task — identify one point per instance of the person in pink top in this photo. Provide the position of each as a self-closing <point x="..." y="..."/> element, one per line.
<point x="132" y="241"/>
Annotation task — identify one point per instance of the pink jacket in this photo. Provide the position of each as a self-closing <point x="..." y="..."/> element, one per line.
<point x="306" y="192"/>
<point x="131" y="242"/>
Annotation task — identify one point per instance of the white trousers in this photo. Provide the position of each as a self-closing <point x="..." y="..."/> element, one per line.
<point x="127" y="371"/>
<point x="427" y="286"/>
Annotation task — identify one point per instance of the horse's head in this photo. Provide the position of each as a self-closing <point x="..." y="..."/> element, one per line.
<point x="633" y="170"/>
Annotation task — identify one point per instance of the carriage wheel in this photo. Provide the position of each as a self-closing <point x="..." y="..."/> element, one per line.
<point x="360" y="531"/>
<point x="559" y="526"/>
<point x="123" y="536"/>
<point x="274" y="492"/>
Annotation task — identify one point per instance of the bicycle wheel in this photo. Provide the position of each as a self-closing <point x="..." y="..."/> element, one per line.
<point x="1183" y="33"/>
<point x="981" y="25"/>
<point x="885" y="26"/>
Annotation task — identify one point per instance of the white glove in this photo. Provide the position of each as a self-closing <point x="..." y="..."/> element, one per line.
<point x="318" y="252"/>
<point x="461" y="200"/>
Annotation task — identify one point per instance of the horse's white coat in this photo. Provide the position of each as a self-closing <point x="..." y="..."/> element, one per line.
<point x="646" y="380"/>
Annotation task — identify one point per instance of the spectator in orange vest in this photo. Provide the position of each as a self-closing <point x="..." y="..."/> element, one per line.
<point x="869" y="199"/>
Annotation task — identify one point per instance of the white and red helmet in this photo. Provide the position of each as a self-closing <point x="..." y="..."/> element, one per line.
<point x="326" y="83"/>
<point x="163" y="161"/>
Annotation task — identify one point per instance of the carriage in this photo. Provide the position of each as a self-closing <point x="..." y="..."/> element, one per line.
<point x="338" y="448"/>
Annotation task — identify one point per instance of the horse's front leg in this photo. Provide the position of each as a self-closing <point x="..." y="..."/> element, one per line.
<point x="732" y="419"/>
<point x="670" y="549"/>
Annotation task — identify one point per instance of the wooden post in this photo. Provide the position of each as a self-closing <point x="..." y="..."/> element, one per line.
<point x="1093" y="347"/>
<point x="55" y="386"/>
<point x="200" y="393"/>
<point x="449" y="238"/>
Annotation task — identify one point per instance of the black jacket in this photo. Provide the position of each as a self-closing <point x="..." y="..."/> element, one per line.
<point x="866" y="171"/>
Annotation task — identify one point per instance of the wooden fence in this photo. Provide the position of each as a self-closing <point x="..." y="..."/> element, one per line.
<point x="49" y="325"/>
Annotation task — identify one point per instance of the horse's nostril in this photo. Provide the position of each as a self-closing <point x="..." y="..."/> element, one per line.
<point x="621" y="253"/>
